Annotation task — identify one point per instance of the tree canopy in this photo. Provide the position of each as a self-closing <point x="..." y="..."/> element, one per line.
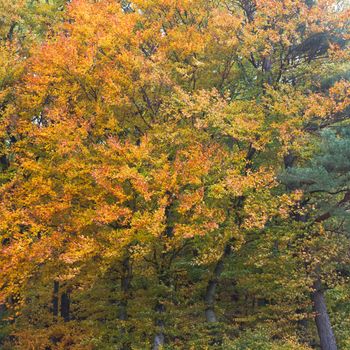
<point x="174" y="174"/>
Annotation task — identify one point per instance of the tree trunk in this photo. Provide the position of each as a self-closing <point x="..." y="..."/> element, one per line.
<point x="214" y="281"/>
<point x="2" y="311"/>
<point x="65" y="306"/>
<point x="323" y="324"/>
<point x="159" y="338"/>
<point x="163" y="277"/>
<point x="212" y="284"/>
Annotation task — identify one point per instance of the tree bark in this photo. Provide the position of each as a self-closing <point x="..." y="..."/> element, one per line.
<point x="212" y="284"/>
<point x="214" y="281"/>
<point x="323" y="324"/>
<point x="159" y="338"/>
<point x="163" y="277"/>
<point x="65" y="306"/>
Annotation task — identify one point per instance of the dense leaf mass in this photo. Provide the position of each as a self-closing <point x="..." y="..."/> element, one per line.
<point x="174" y="174"/>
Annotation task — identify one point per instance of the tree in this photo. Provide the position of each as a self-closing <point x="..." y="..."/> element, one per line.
<point x="325" y="184"/>
<point x="149" y="137"/>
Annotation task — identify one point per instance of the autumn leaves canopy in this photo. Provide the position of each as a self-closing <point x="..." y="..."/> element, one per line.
<point x="145" y="155"/>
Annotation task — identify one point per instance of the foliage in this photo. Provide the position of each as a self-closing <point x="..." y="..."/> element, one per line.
<point x="162" y="161"/>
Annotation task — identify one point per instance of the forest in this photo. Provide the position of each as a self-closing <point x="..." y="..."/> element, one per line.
<point x="174" y="175"/>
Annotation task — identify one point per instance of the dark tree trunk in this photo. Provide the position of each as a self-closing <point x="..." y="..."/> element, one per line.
<point x="323" y="324"/>
<point x="159" y="338"/>
<point x="11" y="31"/>
<point x="2" y="311"/>
<point x="164" y="277"/>
<point x="267" y="66"/>
<point x="213" y="283"/>
<point x="56" y="286"/>
<point x="4" y="162"/>
<point x="249" y="8"/>
<point x="65" y="306"/>
<point x="160" y="309"/>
